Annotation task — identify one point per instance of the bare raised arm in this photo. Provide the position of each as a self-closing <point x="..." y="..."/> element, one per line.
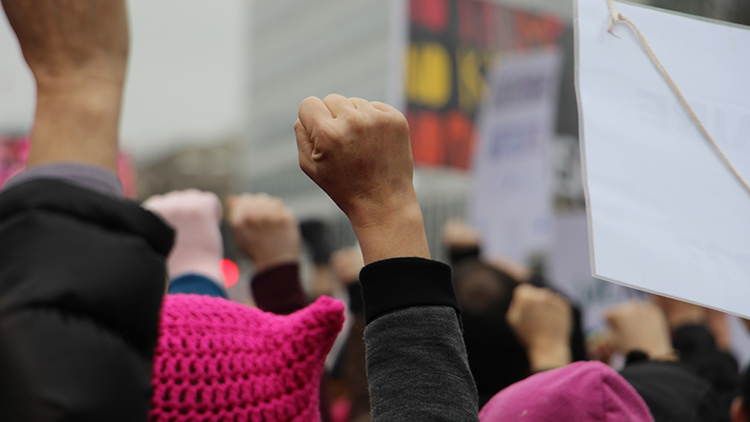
<point x="77" y="51"/>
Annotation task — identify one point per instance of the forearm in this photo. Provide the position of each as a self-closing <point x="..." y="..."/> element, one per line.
<point x="416" y="360"/>
<point x="417" y="367"/>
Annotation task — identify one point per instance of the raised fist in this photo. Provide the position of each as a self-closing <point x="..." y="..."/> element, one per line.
<point x="542" y="320"/>
<point x="195" y="216"/>
<point x="359" y="153"/>
<point x="265" y="229"/>
<point x="642" y="326"/>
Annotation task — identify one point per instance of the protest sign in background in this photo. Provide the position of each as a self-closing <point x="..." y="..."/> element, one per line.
<point x="570" y="272"/>
<point x="512" y="201"/>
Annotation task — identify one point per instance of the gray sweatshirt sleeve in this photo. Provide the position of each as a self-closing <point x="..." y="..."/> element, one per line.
<point x="417" y="367"/>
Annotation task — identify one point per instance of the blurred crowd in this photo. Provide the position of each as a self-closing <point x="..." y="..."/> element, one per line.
<point x="116" y="310"/>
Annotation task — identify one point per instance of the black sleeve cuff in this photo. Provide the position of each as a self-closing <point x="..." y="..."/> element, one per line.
<point x="356" y="304"/>
<point x="398" y="283"/>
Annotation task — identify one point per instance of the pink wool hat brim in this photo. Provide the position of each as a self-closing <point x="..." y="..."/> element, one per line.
<point x="580" y="392"/>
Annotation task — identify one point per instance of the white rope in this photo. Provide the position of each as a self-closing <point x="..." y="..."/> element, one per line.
<point x="615" y="18"/>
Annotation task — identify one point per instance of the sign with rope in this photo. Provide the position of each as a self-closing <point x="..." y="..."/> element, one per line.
<point x="664" y="105"/>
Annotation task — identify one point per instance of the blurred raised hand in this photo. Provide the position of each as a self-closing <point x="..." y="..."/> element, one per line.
<point x="681" y="313"/>
<point x="346" y="264"/>
<point x="542" y="321"/>
<point x="265" y="229"/>
<point x="641" y="326"/>
<point x="459" y="235"/>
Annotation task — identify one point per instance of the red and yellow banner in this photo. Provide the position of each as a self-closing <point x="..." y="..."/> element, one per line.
<point x="451" y="45"/>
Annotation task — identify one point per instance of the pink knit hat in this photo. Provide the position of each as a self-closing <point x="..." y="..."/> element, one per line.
<point x="581" y="392"/>
<point x="216" y="360"/>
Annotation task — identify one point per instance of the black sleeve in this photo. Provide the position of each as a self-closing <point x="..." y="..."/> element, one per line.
<point x="278" y="289"/>
<point x="81" y="284"/>
<point x="417" y="367"/>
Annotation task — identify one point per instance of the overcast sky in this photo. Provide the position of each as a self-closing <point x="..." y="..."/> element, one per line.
<point x="187" y="80"/>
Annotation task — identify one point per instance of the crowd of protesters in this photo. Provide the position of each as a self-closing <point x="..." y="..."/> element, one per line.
<point x="113" y="310"/>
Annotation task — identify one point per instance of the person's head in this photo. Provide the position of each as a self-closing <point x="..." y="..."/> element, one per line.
<point x="581" y="392"/>
<point x="672" y="392"/>
<point x="496" y="358"/>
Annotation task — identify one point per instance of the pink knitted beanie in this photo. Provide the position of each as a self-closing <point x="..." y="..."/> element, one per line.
<point x="580" y="392"/>
<point x="217" y="360"/>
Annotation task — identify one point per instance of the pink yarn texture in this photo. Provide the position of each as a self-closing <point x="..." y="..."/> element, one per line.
<point x="580" y="392"/>
<point x="217" y="360"/>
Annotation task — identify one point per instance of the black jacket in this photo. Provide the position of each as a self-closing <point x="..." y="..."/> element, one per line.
<point x="81" y="283"/>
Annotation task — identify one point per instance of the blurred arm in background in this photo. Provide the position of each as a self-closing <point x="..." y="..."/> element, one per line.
<point x="268" y="233"/>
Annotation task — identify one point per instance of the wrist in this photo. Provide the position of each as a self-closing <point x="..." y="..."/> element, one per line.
<point x="261" y="265"/>
<point x="76" y="125"/>
<point x="664" y="353"/>
<point x="398" y="234"/>
<point x="549" y="356"/>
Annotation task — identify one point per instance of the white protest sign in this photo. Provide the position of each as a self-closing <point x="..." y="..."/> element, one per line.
<point x="512" y="199"/>
<point x="570" y="272"/>
<point x="665" y="213"/>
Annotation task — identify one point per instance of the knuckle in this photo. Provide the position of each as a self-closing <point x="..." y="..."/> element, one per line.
<point x="355" y="122"/>
<point x="331" y="97"/>
<point x="327" y="130"/>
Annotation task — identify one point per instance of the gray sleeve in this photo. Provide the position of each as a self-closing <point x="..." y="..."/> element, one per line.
<point x="417" y="367"/>
<point x="87" y="176"/>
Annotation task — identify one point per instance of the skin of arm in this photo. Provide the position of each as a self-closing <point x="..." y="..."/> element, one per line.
<point x="78" y="52"/>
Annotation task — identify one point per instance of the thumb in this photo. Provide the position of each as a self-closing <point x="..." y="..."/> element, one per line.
<point x="304" y="147"/>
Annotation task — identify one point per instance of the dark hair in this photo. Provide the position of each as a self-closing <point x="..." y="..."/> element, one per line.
<point x="496" y="358"/>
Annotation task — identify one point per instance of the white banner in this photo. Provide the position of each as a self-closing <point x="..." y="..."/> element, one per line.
<point x="665" y="214"/>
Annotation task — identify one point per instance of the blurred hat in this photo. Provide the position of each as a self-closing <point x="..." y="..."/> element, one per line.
<point x="581" y="392"/>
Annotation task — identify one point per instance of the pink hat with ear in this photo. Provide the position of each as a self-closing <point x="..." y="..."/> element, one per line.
<point x="217" y="360"/>
<point x="581" y="392"/>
